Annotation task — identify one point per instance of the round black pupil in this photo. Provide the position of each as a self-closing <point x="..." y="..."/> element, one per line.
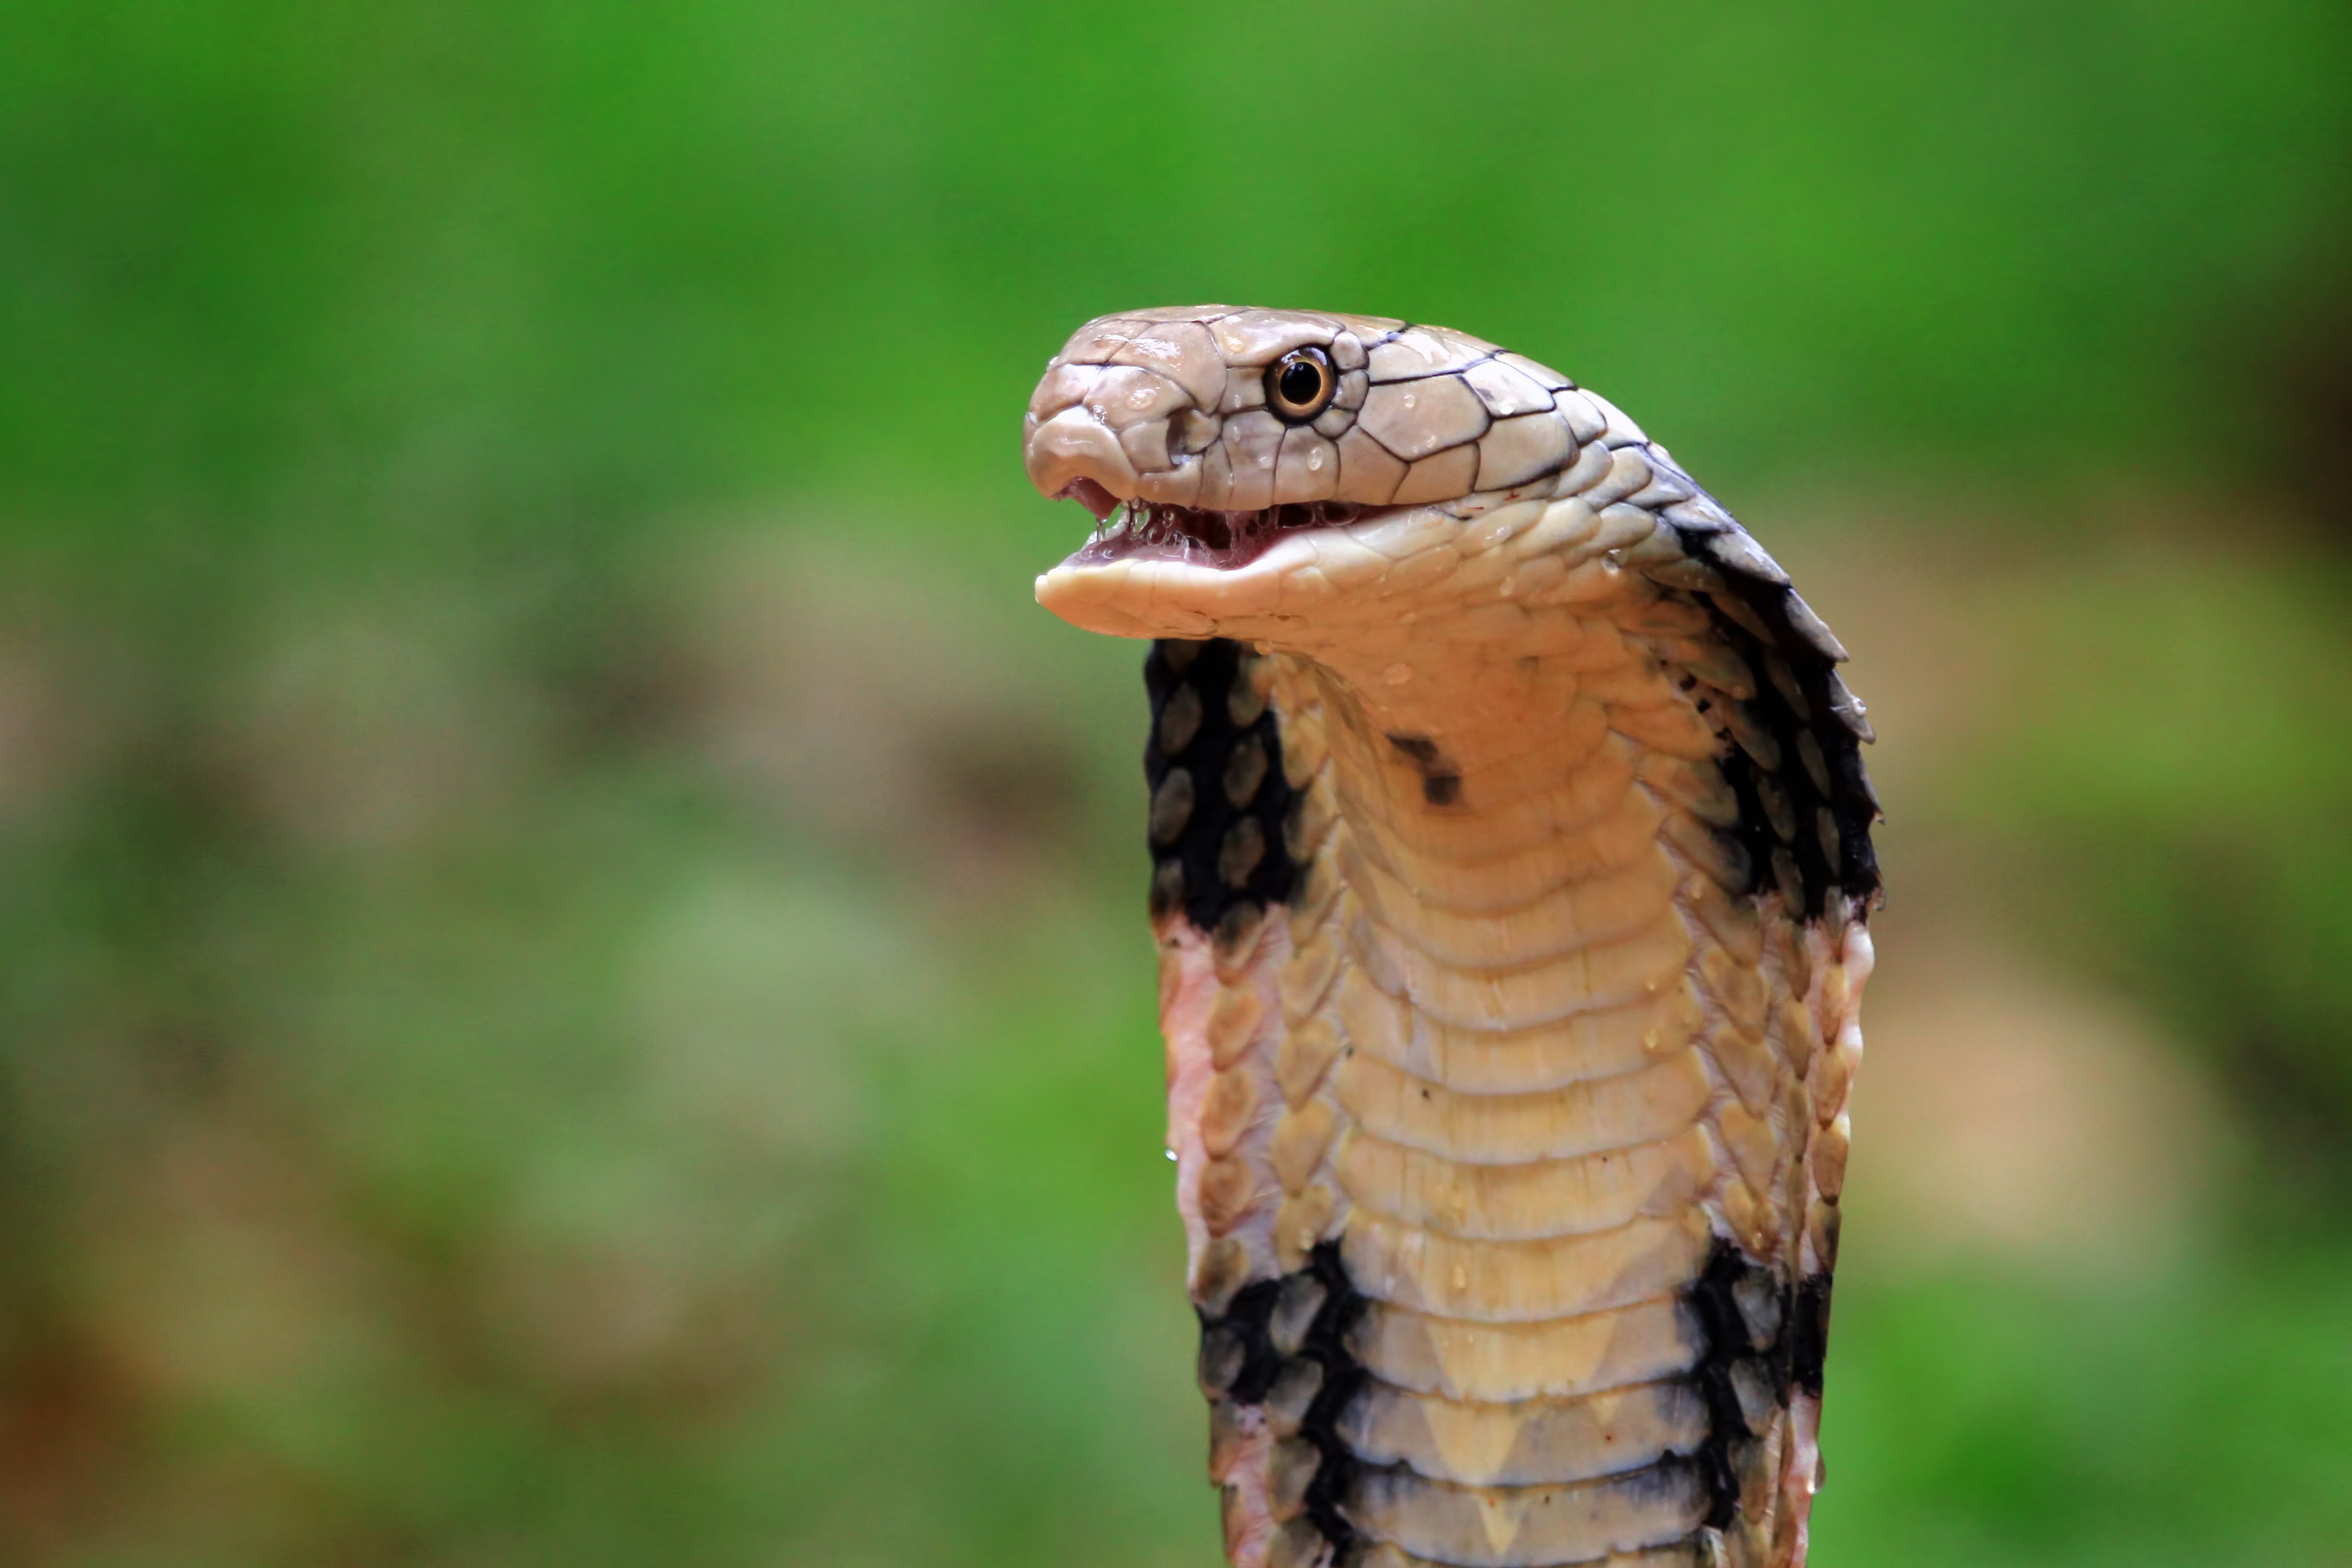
<point x="1301" y="382"/>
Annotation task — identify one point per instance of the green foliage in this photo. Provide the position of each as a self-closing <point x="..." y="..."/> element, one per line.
<point x="354" y="277"/>
<point x="532" y="1031"/>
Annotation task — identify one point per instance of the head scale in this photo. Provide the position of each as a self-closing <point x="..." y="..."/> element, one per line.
<point x="1240" y="410"/>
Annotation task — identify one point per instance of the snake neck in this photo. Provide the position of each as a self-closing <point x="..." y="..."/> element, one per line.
<point x="1509" y="1023"/>
<point x="1436" y="739"/>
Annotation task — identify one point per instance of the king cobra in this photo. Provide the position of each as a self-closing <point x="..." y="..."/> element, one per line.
<point x="1512" y="867"/>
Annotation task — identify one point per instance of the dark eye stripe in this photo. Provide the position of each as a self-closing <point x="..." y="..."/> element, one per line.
<point x="1299" y="385"/>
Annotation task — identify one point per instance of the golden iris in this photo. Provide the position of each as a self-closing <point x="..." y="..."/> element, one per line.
<point x="1299" y="385"/>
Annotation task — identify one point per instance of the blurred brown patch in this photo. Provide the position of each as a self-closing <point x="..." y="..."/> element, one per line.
<point x="364" y="723"/>
<point x="64" y="702"/>
<point x="69" y="1421"/>
<point x="2310" y="388"/>
<point x="651" y="1321"/>
<point x="2006" y="1112"/>
<point x="2025" y="685"/>
<point x="880" y="708"/>
<point x="219" y="1264"/>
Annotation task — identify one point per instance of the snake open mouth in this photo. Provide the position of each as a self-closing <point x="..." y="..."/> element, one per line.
<point x="1137" y="529"/>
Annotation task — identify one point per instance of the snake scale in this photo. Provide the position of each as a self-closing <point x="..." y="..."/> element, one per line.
<point x="1512" y="870"/>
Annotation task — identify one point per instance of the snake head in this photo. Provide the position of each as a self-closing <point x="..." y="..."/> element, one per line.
<point x="1203" y="438"/>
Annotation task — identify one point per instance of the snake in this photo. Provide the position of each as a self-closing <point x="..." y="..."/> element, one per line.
<point x="1511" y="880"/>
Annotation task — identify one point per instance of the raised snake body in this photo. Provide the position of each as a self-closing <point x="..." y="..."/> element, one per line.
<point x="1512" y="865"/>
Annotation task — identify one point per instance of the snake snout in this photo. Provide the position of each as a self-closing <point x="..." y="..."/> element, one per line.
<point x="1075" y="448"/>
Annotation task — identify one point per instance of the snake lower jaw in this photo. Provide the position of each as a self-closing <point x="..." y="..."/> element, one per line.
<point x="1154" y="570"/>
<point x="1189" y="572"/>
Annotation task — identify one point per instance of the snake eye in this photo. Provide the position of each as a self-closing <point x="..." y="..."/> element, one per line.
<point x="1299" y="385"/>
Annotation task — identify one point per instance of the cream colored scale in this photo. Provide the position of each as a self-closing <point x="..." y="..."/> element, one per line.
<point x="1521" y="1109"/>
<point x="1525" y="1045"/>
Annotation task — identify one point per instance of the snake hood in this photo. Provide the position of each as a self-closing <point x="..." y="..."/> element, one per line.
<point x="1511" y="877"/>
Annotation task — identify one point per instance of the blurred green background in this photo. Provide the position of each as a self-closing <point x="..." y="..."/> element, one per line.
<point x="573" y="983"/>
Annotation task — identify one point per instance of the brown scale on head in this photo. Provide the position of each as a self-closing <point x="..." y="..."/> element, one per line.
<point x="1511" y="872"/>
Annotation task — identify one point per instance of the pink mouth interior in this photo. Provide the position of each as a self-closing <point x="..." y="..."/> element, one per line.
<point x="1127" y="530"/>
